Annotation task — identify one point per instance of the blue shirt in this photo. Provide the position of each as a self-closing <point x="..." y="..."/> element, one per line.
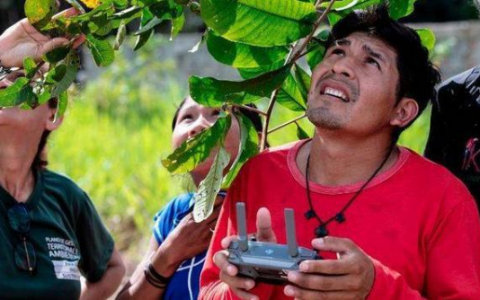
<point x="185" y="283"/>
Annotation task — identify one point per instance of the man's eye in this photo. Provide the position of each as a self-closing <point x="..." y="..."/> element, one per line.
<point x="373" y="62"/>
<point x="337" y="51"/>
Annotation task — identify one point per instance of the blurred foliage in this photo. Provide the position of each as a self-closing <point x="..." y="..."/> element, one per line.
<point x="113" y="139"/>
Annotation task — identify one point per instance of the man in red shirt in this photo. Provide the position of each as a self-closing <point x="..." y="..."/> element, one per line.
<point x="388" y="223"/>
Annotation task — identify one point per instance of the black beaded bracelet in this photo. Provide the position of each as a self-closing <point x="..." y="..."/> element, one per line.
<point x="158" y="277"/>
<point x="152" y="281"/>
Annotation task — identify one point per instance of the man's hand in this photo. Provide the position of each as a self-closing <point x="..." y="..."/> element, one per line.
<point x="22" y="40"/>
<point x="349" y="277"/>
<point x="228" y="272"/>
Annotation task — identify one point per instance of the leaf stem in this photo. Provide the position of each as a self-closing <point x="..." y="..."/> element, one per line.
<point x="260" y="112"/>
<point x="287" y="123"/>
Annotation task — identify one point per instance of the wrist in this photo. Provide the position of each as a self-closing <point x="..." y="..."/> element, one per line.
<point x="165" y="261"/>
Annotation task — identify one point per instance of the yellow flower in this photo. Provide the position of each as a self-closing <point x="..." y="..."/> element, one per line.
<point x="91" y="3"/>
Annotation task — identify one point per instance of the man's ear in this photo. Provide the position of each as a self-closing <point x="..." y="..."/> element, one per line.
<point x="404" y="112"/>
<point x="54" y="121"/>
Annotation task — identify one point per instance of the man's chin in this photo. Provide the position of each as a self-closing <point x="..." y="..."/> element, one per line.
<point x="323" y="118"/>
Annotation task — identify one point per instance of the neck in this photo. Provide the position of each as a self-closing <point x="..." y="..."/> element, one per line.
<point x="16" y="175"/>
<point x="337" y="162"/>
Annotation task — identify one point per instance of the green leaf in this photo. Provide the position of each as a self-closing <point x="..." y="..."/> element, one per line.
<point x="177" y="25"/>
<point x="248" y="147"/>
<point x="19" y="92"/>
<point x="39" y="12"/>
<point x="56" y="74"/>
<point x="62" y="104"/>
<point x="72" y="62"/>
<point x="290" y="95"/>
<point x="301" y="134"/>
<point x="143" y="37"/>
<point x="428" y="38"/>
<point x="294" y="92"/>
<point x="149" y="26"/>
<point x="194" y="151"/>
<point x="315" y="56"/>
<point x="208" y="189"/>
<point x="166" y="10"/>
<point x="239" y="55"/>
<point x="102" y="51"/>
<point x="56" y="55"/>
<point x="247" y="73"/>
<point x="214" y="93"/>
<point x="30" y="67"/>
<point x="127" y="13"/>
<point x="259" y="23"/>
<point x="401" y="8"/>
<point x="120" y="38"/>
<point x="337" y="14"/>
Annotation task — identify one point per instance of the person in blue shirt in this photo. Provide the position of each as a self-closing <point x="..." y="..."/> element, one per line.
<point x="178" y="245"/>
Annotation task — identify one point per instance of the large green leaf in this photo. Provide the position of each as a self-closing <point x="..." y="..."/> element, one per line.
<point x="208" y="189"/>
<point x="30" y="67"/>
<point x="301" y="133"/>
<point x="401" y="8"/>
<point x="345" y="8"/>
<point x="39" y="12"/>
<point x="259" y="23"/>
<point x="19" y="92"/>
<point x="143" y="37"/>
<point x="248" y="147"/>
<point x="56" y="55"/>
<point x="193" y="151"/>
<point x="177" y="25"/>
<point x="239" y="55"/>
<point x="102" y="51"/>
<point x="294" y="92"/>
<point x="427" y="37"/>
<point x="214" y="93"/>
<point x="72" y="62"/>
<point x="166" y="10"/>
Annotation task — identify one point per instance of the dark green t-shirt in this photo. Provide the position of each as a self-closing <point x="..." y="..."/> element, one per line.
<point x="67" y="234"/>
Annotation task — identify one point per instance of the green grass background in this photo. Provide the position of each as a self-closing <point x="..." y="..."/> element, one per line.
<point x="118" y="128"/>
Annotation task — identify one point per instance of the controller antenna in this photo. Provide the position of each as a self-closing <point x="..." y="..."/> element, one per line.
<point x="242" y="227"/>
<point x="290" y="230"/>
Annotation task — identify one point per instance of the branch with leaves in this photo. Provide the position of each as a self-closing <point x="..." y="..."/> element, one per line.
<point x="263" y="40"/>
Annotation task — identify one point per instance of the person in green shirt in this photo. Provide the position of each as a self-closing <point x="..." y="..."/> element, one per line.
<point x="50" y="231"/>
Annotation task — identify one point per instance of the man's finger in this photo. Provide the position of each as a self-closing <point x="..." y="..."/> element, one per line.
<point x="227" y="240"/>
<point x="79" y="41"/>
<point x="327" y="266"/>
<point x="264" y="226"/>
<point x="325" y="283"/>
<point x="221" y="261"/>
<point x="334" y="244"/>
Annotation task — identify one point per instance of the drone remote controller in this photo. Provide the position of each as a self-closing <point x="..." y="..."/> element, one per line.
<point x="267" y="262"/>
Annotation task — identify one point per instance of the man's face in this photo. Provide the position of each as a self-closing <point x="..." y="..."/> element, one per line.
<point x="354" y="88"/>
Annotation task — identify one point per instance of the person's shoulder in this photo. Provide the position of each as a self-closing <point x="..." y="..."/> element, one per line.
<point x="60" y="182"/>
<point x="276" y="153"/>
<point x="430" y="173"/>
<point x="181" y="204"/>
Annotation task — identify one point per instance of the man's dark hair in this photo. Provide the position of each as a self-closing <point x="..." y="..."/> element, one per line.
<point x="418" y="76"/>
<point x="251" y="115"/>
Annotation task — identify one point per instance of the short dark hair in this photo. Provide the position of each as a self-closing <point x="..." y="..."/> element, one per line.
<point x="418" y="76"/>
<point x="251" y="115"/>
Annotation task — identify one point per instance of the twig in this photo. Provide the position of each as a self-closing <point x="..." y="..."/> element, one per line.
<point x="260" y="112"/>
<point x="287" y="123"/>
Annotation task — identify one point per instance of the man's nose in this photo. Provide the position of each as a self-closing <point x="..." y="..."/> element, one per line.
<point x="344" y="66"/>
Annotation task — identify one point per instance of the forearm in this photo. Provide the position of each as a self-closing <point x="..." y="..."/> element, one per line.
<point x="106" y="286"/>
<point x="139" y="288"/>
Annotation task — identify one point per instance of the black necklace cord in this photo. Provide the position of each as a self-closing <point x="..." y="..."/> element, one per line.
<point x="340" y="216"/>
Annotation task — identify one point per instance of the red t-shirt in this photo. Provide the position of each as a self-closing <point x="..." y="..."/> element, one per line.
<point x="416" y="221"/>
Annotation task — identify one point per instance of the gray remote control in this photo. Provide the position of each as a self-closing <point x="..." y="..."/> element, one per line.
<point x="267" y="262"/>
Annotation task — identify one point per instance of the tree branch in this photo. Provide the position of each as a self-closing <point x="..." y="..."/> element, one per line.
<point x="287" y="123"/>
<point x="260" y="112"/>
<point x="292" y="58"/>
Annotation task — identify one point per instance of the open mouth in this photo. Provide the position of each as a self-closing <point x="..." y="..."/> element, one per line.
<point x="330" y="91"/>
